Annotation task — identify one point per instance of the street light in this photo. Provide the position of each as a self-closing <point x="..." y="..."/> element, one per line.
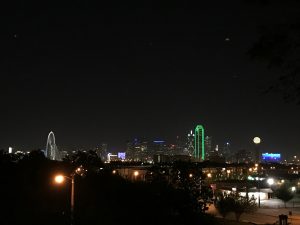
<point x="258" y="186"/>
<point x="270" y="181"/>
<point x="60" y="179"/>
<point x="136" y="173"/>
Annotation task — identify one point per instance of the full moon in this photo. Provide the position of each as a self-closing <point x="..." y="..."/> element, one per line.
<point x="256" y="140"/>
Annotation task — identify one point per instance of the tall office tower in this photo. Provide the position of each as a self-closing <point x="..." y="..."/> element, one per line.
<point x="208" y="146"/>
<point x="199" y="151"/>
<point x="102" y="152"/>
<point x="158" y="147"/>
<point x="144" y="154"/>
<point x="179" y="148"/>
<point x="190" y="143"/>
<point x="137" y="150"/>
<point x="129" y="151"/>
<point x="243" y="156"/>
<point x="226" y="151"/>
<point x="216" y="152"/>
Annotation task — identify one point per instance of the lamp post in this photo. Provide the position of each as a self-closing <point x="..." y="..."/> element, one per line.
<point x="72" y="198"/>
<point x="258" y="193"/>
<point x="136" y="174"/>
<point x="258" y="187"/>
<point x="271" y="181"/>
<point x="59" y="179"/>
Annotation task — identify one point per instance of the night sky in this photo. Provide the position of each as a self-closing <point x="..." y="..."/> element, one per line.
<point x="110" y="73"/>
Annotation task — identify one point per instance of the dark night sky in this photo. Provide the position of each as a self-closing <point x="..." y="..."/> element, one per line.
<point x="109" y="73"/>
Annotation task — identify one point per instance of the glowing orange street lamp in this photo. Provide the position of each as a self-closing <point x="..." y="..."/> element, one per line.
<point x="136" y="173"/>
<point x="59" y="179"/>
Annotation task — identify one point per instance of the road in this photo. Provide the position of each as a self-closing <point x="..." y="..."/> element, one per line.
<point x="264" y="215"/>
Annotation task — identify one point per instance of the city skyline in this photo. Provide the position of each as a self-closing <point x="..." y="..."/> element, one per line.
<point x="150" y="112"/>
<point x="107" y="73"/>
<point x="182" y="144"/>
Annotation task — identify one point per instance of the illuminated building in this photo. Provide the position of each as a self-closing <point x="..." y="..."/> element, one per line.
<point x="130" y="150"/>
<point x="215" y="156"/>
<point x="179" y="148"/>
<point x="243" y="156"/>
<point x="10" y="150"/>
<point x="271" y="157"/>
<point x="294" y="160"/>
<point x="122" y="155"/>
<point x="208" y="146"/>
<point x="158" y="147"/>
<point x="199" y="151"/>
<point x="226" y="151"/>
<point x="161" y="158"/>
<point x="190" y="143"/>
<point x="102" y="152"/>
<point x="111" y="157"/>
<point x="138" y="150"/>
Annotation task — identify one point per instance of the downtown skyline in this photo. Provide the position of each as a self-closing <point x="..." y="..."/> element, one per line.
<point x="109" y="74"/>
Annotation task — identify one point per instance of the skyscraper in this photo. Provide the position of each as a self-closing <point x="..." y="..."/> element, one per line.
<point x="226" y="151"/>
<point x="190" y="143"/>
<point x="102" y="152"/>
<point x="199" y="151"/>
<point x="137" y="150"/>
<point x="208" y="146"/>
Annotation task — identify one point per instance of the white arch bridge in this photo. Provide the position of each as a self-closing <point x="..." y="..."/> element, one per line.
<point x="51" y="148"/>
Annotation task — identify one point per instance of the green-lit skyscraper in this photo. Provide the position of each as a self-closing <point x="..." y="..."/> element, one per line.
<point x="199" y="152"/>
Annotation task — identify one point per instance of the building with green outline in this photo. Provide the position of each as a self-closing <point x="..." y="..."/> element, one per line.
<point x="199" y="151"/>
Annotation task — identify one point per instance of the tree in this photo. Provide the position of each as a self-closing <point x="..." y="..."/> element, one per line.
<point x="88" y="160"/>
<point x="225" y="205"/>
<point x="189" y="177"/>
<point x="237" y="204"/>
<point x="284" y="194"/>
<point x="279" y="47"/>
<point x="243" y="205"/>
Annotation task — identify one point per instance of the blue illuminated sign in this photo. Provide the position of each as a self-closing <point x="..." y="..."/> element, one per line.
<point x="121" y="155"/>
<point x="159" y="142"/>
<point x="271" y="157"/>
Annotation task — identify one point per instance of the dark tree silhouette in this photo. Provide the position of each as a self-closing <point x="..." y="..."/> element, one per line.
<point x="88" y="160"/>
<point x="235" y="203"/>
<point x="29" y="196"/>
<point x="279" y="47"/>
<point x="225" y="205"/>
<point x="284" y="194"/>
